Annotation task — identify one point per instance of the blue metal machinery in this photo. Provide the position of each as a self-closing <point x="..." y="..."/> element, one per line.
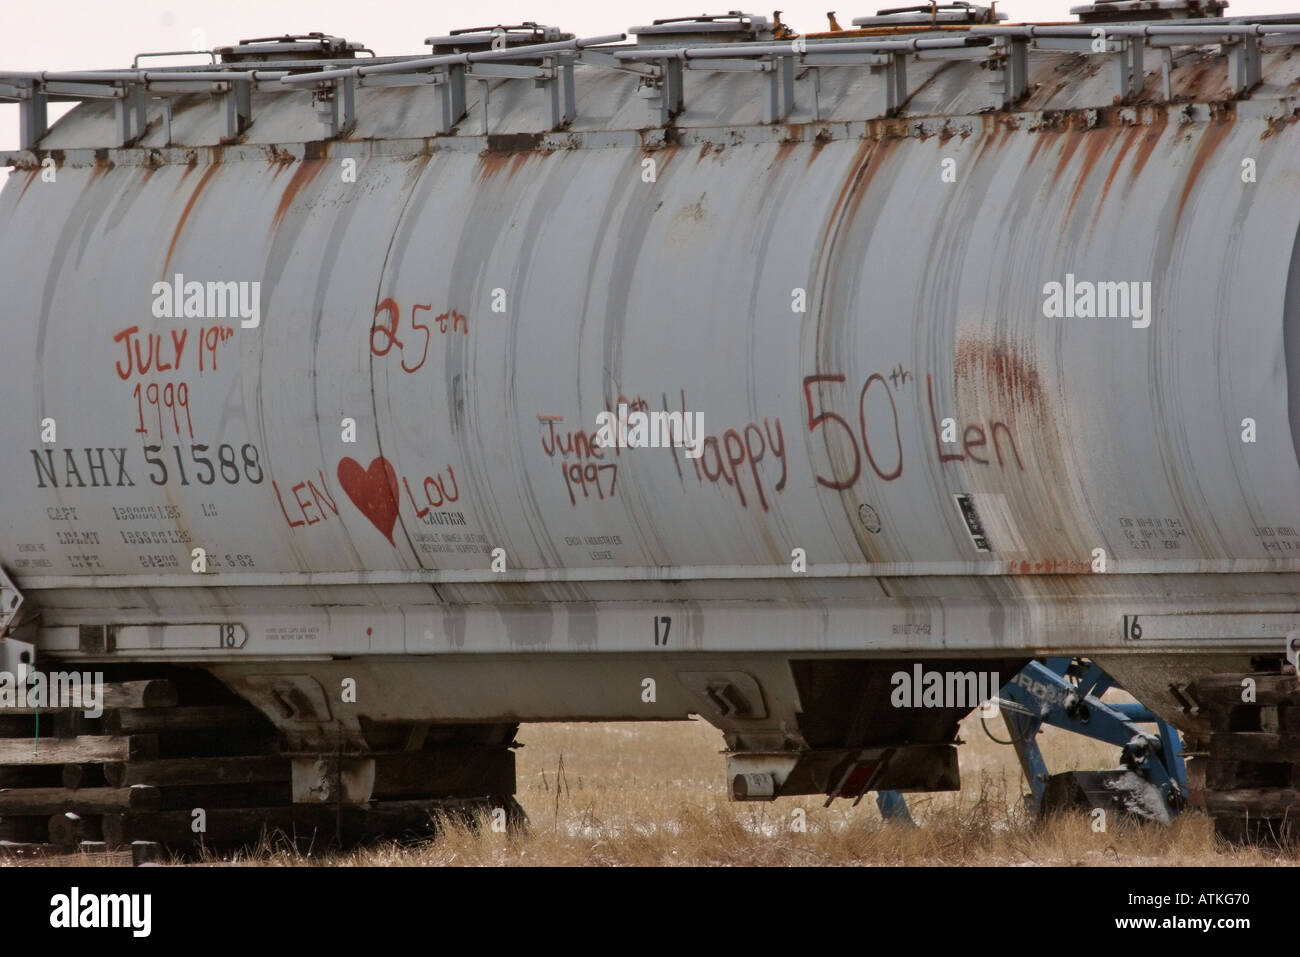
<point x="1066" y="693"/>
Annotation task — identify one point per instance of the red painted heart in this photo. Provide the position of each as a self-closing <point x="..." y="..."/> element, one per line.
<point x="373" y="491"/>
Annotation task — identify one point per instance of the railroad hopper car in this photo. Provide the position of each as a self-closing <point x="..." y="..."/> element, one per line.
<point x="357" y="409"/>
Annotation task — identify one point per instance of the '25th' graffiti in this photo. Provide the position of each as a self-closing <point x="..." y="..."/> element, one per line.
<point x="387" y="333"/>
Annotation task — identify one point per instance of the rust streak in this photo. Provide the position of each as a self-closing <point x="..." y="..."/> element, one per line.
<point x="1131" y="136"/>
<point x="307" y="171"/>
<point x="1150" y="138"/>
<point x="1094" y="147"/>
<point x="859" y="166"/>
<point x="1214" y="135"/>
<point x="863" y="183"/>
<point x="493" y="162"/>
<point x="818" y="144"/>
<point x="783" y="151"/>
<point x="279" y="160"/>
<point x="994" y="136"/>
<point x="1070" y="144"/>
<point x="490" y="164"/>
<point x="664" y="156"/>
<point x="189" y="205"/>
<point x="1042" y="139"/>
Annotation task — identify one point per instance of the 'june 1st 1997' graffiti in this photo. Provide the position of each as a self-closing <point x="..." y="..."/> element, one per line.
<point x="751" y="460"/>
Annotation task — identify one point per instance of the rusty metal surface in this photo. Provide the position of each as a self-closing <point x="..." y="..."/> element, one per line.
<point x="924" y="301"/>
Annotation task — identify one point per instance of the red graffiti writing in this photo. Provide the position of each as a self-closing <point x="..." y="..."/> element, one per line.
<point x="724" y="458"/>
<point x="435" y="491"/>
<point x="173" y="396"/>
<point x="973" y="437"/>
<point x="387" y="331"/>
<point x="156" y="352"/>
<point x="153" y="355"/>
<point x="579" y="444"/>
<point x="835" y="424"/>
<point x="592" y="479"/>
<point x="589" y="476"/>
<point x="307" y="496"/>
<point x="210" y="338"/>
<point x="882" y="446"/>
<point x="729" y="455"/>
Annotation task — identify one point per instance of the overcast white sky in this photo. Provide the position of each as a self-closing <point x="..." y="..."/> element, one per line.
<point x="97" y="34"/>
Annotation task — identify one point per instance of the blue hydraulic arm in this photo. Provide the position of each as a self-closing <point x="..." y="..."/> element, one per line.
<point x="1066" y="693"/>
<point x="1042" y="693"/>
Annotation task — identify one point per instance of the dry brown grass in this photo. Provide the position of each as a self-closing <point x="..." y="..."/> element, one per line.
<point x="655" y="794"/>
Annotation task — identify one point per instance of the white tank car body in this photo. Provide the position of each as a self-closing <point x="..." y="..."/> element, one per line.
<point x="914" y="446"/>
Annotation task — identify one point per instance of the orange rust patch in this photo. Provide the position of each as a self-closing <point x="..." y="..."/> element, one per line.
<point x="993" y="138"/>
<point x="1001" y="371"/>
<point x="279" y="160"/>
<point x="1206" y="82"/>
<point x="1042" y="139"/>
<point x="305" y="172"/>
<point x="1130" y="137"/>
<point x="1277" y="124"/>
<point x="783" y="151"/>
<point x="1149" y="138"/>
<point x="102" y="165"/>
<point x="492" y="163"/>
<point x="1094" y="146"/>
<point x="489" y="164"/>
<point x="1070" y="144"/>
<point x="818" y="144"/>
<point x="1214" y="135"/>
<point x="185" y="214"/>
<point x="1197" y="77"/>
<point x="664" y="156"/>
<point x="1051" y="95"/>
